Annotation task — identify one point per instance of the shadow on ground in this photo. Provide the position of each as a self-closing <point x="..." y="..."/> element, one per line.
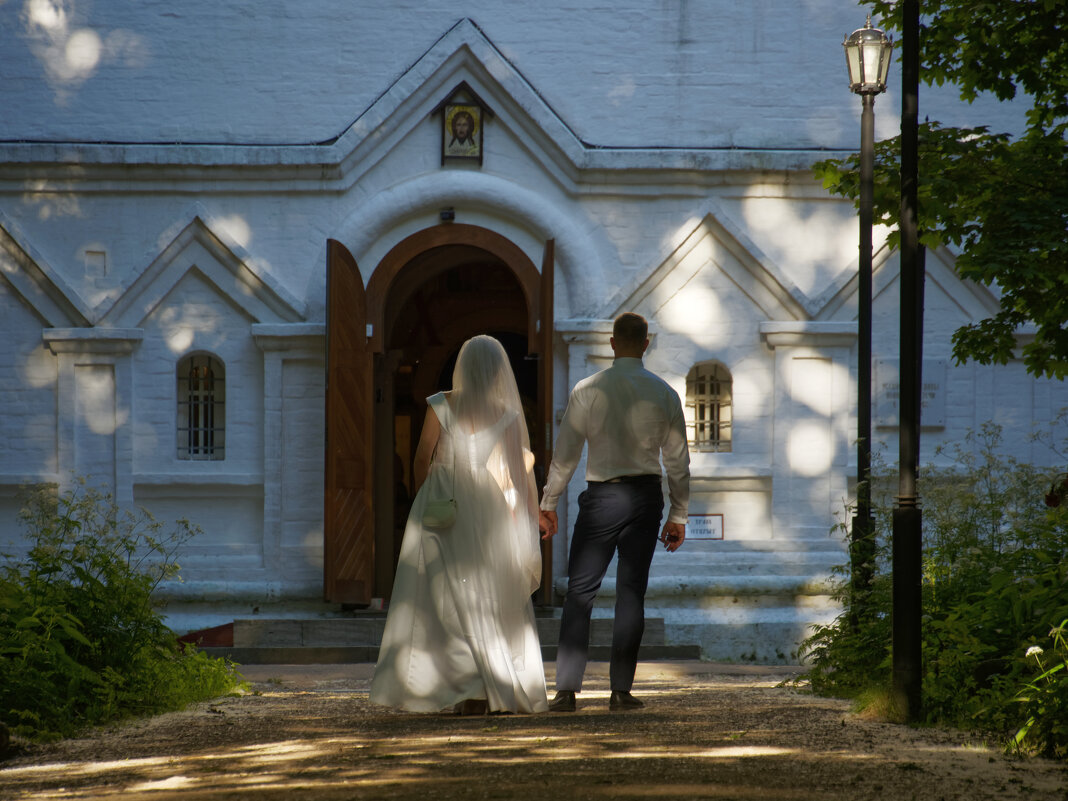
<point x="708" y="732"/>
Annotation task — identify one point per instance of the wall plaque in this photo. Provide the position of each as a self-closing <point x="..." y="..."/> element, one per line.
<point x="704" y="527"/>
<point x="932" y="394"/>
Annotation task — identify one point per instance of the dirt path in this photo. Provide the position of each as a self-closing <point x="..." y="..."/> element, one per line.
<point x="709" y="731"/>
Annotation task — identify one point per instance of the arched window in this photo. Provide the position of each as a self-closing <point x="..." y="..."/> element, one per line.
<point x="708" y="407"/>
<point x="201" y="408"/>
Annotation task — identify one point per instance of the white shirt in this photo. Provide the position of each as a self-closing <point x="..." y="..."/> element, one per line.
<point x="630" y="417"/>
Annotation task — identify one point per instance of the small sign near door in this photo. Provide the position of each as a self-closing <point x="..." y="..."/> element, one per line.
<point x="704" y="527"/>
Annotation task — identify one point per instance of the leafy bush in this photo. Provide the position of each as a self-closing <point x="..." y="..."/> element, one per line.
<point x="995" y="581"/>
<point x="80" y="641"/>
<point x="1045" y="699"/>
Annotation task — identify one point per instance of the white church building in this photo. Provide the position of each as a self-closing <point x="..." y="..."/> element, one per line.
<point x="240" y="244"/>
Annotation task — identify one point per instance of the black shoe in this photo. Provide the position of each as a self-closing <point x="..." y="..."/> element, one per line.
<point x="621" y="701"/>
<point x="563" y="702"/>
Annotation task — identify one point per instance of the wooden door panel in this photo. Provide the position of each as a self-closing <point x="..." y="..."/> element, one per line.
<point x="348" y="521"/>
<point x="543" y="439"/>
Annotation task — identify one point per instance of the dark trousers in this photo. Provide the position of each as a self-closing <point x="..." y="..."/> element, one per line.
<point x="623" y="517"/>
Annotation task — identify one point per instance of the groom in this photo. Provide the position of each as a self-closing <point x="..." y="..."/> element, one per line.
<point x="629" y="418"/>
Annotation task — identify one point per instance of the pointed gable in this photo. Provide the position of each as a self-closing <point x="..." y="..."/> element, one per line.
<point x="961" y="299"/>
<point x="464" y="54"/>
<point x="36" y="284"/>
<point x="714" y="252"/>
<point x="202" y="250"/>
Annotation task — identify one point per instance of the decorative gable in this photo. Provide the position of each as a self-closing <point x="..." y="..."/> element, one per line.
<point x="714" y="242"/>
<point x="961" y="299"/>
<point x="466" y="69"/>
<point x="203" y="249"/>
<point x="40" y="287"/>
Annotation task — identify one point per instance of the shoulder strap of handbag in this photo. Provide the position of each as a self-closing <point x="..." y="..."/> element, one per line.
<point x="447" y="427"/>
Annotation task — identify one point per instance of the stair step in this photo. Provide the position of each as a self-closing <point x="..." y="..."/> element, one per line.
<point x="354" y="640"/>
<point x="601" y="631"/>
<point x="297" y="655"/>
<point x="337" y="655"/>
<point x="734" y="567"/>
<point x="296" y="633"/>
<point x="367" y="631"/>
<point x="647" y="653"/>
<point x="782" y="549"/>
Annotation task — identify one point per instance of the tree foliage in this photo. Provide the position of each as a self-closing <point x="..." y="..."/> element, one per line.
<point x="1001" y="202"/>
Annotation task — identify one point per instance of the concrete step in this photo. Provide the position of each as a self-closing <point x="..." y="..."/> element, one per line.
<point x="770" y="545"/>
<point x="336" y="655"/>
<point x="366" y="630"/>
<point x="601" y="632"/>
<point x="718" y="559"/>
<point x="296" y="633"/>
<point x="735" y="564"/>
<point x="356" y="639"/>
<point x="685" y="590"/>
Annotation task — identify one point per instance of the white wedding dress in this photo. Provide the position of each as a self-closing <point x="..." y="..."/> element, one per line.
<point x="461" y="622"/>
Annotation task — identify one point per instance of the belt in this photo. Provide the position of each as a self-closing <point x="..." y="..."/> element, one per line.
<point x="647" y="478"/>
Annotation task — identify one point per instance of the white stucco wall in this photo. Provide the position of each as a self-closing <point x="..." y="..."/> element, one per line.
<point x="28" y="375"/>
<point x="224" y="498"/>
<point x="665" y="147"/>
<point x="194" y="318"/>
<point x="762" y="74"/>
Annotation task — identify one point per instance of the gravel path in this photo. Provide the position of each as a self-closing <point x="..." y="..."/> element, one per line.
<point x="708" y="732"/>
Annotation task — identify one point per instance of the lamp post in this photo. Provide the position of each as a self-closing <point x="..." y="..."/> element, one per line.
<point x="867" y="53"/>
<point x="907" y="553"/>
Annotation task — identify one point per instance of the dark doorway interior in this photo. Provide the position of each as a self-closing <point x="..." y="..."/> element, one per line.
<point x="440" y="299"/>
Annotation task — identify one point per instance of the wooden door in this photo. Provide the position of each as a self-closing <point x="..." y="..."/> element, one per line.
<point x="348" y="520"/>
<point x="543" y="438"/>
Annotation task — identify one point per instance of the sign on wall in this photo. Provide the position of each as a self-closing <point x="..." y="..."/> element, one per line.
<point x="704" y="527"/>
<point x="932" y="393"/>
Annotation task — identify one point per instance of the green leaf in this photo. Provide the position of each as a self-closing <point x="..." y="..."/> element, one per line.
<point x="71" y="629"/>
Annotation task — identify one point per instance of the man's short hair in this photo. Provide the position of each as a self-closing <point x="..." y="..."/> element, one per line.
<point x="630" y="330"/>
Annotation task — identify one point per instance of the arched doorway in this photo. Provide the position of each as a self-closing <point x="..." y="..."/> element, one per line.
<point x="439" y="300"/>
<point x="428" y="295"/>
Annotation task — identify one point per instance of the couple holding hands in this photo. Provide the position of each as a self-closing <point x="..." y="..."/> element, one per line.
<point x="460" y="631"/>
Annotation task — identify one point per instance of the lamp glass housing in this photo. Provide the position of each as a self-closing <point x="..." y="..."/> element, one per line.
<point x="868" y="53"/>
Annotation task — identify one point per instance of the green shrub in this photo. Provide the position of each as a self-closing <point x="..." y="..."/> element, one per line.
<point x="80" y="640"/>
<point x="1044" y="699"/>
<point x="847" y="660"/>
<point x="995" y="581"/>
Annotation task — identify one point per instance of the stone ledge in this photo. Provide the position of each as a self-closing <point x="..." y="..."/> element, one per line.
<point x="716" y="586"/>
<point x="369" y="653"/>
<point x="813" y="333"/>
<point x="367" y="630"/>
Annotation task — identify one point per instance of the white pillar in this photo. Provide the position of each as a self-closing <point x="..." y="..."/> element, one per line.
<point x="814" y="425"/>
<point x="294" y="385"/>
<point x="95" y="406"/>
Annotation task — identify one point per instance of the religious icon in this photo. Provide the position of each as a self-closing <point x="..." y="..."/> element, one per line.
<point x="461" y="135"/>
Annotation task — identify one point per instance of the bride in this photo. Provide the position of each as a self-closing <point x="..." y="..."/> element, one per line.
<point x="460" y="630"/>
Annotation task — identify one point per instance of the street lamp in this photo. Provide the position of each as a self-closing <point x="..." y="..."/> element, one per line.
<point x="867" y="53"/>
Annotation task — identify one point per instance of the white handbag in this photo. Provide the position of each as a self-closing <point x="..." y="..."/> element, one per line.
<point x="439" y="513"/>
<point x="440" y="509"/>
